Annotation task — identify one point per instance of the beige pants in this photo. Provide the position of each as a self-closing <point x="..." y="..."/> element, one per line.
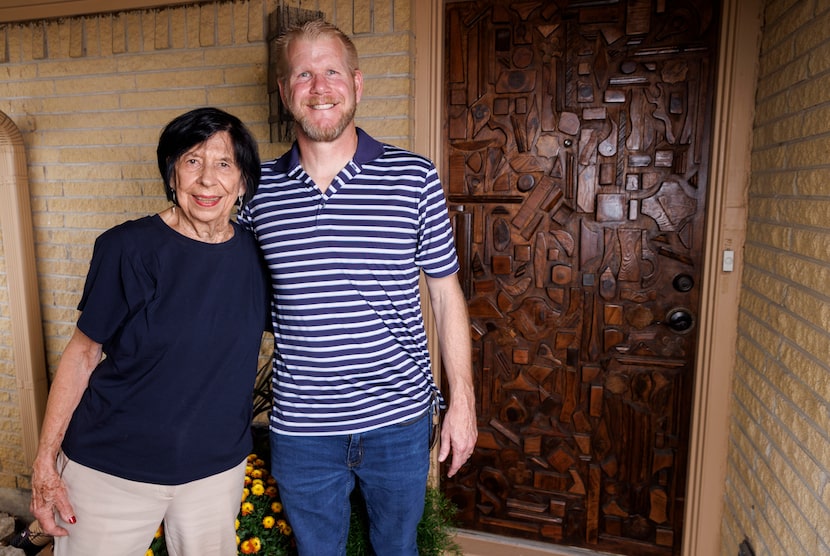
<point x="117" y="517"/>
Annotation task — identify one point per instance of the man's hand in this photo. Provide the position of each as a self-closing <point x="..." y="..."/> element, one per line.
<point x="458" y="436"/>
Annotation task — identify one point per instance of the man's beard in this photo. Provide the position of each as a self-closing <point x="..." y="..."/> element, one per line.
<point x="324" y="134"/>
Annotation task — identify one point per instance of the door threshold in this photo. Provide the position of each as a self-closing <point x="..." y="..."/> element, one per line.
<point x="474" y="543"/>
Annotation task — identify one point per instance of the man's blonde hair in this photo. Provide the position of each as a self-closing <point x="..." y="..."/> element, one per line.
<point x="312" y="30"/>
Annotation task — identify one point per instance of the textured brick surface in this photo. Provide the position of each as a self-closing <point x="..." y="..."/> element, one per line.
<point x="90" y="96"/>
<point x="779" y="455"/>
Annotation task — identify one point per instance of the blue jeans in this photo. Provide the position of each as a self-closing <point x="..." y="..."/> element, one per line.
<point x="316" y="475"/>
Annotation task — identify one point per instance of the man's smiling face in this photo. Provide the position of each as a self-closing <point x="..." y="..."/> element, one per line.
<point x="321" y="92"/>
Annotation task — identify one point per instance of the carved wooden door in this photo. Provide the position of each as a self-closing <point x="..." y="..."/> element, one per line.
<point x="576" y="159"/>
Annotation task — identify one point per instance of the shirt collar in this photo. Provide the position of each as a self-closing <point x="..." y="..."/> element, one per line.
<point x="368" y="149"/>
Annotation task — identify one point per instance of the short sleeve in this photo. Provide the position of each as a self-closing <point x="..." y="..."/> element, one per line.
<point x="117" y="285"/>
<point x="436" y="253"/>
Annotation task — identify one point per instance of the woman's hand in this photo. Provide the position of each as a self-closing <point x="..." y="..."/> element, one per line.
<point x="48" y="497"/>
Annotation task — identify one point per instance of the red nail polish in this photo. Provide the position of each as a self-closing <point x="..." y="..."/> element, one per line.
<point x="71" y="519"/>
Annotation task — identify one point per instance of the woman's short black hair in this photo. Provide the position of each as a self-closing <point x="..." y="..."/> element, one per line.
<point x="197" y="126"/>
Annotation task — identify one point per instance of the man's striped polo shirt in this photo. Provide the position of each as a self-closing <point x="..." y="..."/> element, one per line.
<point x="351" y="349"/>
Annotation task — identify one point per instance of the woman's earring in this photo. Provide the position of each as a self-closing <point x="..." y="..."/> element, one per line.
<point x="240" y="200"/>
<point x="173" y="191"/>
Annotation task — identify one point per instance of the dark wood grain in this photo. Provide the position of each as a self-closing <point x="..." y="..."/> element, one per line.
<point x="576" y="144"/>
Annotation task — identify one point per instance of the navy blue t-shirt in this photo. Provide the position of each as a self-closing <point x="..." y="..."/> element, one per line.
<point x="181" y="323"/>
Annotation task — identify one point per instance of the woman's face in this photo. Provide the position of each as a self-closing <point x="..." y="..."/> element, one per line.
<point x="208" y="181"/>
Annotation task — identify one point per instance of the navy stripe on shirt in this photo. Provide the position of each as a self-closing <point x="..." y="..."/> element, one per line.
<point x="345" y="266"/>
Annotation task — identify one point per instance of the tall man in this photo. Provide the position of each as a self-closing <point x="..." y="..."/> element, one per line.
<point x="347" y="224"/>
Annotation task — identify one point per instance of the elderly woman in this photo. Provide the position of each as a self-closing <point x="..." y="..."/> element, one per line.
<point x="158" y="429"/>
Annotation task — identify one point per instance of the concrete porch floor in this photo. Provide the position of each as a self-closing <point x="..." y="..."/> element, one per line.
<point x="473" y="543"/>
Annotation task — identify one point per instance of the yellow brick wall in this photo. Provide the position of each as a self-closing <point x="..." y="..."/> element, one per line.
<point x="90" y="96"/>
<point x="778" y="482"/>
<point x="11" y="455"/>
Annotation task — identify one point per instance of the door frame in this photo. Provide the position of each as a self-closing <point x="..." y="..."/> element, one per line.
<point x="737" y="70"/>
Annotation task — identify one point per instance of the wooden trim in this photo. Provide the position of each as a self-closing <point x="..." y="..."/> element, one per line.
<point x="428" y="27"/>
<point x="24" y="302"/>
<point x="726" y="229"/>
<point x="426" y="141"/>
<point x="28" y="10"/>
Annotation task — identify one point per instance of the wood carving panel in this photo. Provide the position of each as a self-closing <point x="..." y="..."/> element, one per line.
<point x="577" y="138"/>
